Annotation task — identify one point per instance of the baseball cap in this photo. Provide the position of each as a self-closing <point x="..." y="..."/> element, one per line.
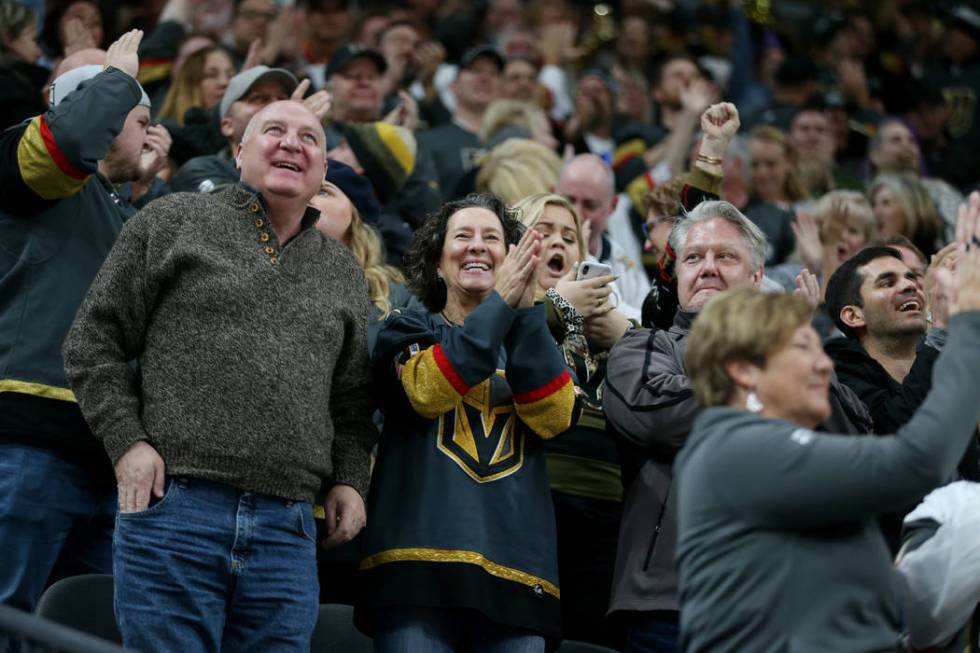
<point x="345" y="55"/>
<point x="69" y="81"/>
<point x="967" y="17"/>
<point x="240" y="84"/>
<point x="479" y="51"/>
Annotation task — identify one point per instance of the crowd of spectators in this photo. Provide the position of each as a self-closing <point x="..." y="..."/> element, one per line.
<point x="434" y="269"/>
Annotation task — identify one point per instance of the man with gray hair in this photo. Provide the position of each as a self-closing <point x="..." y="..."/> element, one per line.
<point x="59" y="216"/>
<point x="650" y="403"/>
<point x="251" y="398"/>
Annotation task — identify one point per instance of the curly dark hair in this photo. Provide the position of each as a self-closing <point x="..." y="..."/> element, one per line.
<point x="422" y="260"/>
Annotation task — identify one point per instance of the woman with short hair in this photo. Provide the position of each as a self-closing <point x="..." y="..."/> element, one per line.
<point x="902" y="205"/>
<point x="778" y="547"/>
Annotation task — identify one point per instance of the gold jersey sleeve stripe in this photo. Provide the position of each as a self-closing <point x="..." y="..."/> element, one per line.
<point x="37" y="390"/>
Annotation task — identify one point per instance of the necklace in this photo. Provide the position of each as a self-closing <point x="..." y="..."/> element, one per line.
<point x="446" y="318"/>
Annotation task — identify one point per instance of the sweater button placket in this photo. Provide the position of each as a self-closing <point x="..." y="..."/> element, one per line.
<point x="264" y="236"/>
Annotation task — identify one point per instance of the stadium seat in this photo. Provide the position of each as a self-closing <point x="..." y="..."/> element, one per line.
<point x="83" y="603"/>
<point x="570" y="646"/>
<point x="335" y="632"/>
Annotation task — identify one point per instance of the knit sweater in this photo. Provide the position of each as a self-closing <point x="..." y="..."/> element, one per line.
<point x="252" y="353"/>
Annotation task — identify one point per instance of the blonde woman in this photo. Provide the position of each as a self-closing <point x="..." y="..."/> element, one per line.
<point x="341" y="220"/>
<point x="517" y="168"/>
<point x="841" y="225"/>
<point x="583" y="464"/>
<point x="201" y="83"/>
<point x="902" y="205"/>
<point x="509" y="116"/>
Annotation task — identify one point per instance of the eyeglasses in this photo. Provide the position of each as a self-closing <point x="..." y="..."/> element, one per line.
<point x="649" y="225"/>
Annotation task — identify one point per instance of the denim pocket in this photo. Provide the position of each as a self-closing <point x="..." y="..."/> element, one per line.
<point x="169" y="490"/>
<point x="306" y="524"/>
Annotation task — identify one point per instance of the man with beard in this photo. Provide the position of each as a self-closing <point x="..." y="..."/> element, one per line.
<point x="59" y="216"/>
<point x="888" y="349"/>
<point x="809" y="132"/>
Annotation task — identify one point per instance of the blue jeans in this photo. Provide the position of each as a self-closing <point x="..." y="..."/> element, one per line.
<point x="55" y="521"/>
<point x="405" y="629"/>
<point x="211" y="568"/>
<point x="657" y="633"/>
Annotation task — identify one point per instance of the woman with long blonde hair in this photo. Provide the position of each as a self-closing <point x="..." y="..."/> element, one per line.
<point x="340" y="219"/>
<point x="201" y="83"/>
<point x="584" y="463"/>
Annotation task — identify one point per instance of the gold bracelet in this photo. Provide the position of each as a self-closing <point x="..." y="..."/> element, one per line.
<point x="702" y="158"/>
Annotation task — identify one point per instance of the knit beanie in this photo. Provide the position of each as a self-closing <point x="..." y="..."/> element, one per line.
<point x="357" y="188"/>
<point x="387" y="154"/>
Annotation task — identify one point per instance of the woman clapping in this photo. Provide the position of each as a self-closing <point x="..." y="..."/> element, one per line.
<point x="460" y="551"/>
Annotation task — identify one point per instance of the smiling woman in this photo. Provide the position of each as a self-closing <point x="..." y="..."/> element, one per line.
<point x="471" y="388"/>
<point x="778" y="548"/>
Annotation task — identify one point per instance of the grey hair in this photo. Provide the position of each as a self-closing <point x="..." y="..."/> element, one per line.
<point x="753" y="237"/>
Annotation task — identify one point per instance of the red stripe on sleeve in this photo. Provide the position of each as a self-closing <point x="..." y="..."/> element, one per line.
<point x="546" y="390"/>
<point x="56" y="154"/>
<point x="447" y="370"/>
<point x="624" y="159"/>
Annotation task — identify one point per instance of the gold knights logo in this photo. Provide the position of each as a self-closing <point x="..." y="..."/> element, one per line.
<point x="482" y="434"/>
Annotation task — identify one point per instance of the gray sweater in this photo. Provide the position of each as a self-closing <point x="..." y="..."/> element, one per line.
<point x="252" y="354"/>
<point x="778" y="548"/>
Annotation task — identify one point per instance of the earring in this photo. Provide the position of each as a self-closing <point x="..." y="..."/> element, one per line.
<point x="752" y="402"/>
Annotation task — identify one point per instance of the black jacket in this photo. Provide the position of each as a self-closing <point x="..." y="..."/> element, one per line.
<point x="892" y="404"/>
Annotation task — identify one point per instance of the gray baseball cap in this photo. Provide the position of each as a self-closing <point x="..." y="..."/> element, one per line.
<point x="240" y="84"/>
<point x="69" y="81"/>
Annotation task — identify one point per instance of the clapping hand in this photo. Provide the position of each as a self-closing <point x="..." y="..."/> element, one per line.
<point x="155" y="151"/>
<point x="519" y="270"/>
<point x="808" y="288"/>
<point x="937" y="293"/>
<point x="965" y="287"/>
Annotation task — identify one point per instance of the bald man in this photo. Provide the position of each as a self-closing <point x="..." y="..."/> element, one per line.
<point x="251" y="330"/>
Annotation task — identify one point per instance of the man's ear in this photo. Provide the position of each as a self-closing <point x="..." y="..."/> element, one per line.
<point x="743" y="373"/>
<point x="853" y="316"/>
<point x="615" y="203"/>
<point x="238" y="156"/>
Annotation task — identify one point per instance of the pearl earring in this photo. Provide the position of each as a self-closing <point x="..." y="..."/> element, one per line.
<point x="752" y="402"/>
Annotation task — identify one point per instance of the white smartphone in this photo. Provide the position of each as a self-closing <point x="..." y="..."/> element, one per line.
<point x="592" y="269"/>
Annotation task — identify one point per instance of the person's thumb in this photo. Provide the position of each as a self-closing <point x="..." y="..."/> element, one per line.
<point x="158" y="479"/>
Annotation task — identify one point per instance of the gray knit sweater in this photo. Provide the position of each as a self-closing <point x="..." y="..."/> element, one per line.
<point x="252" y="354"/>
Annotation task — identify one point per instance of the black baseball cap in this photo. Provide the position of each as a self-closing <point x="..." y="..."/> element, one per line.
<point x="478" y="52"/>
<point x="345" y="55"/>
